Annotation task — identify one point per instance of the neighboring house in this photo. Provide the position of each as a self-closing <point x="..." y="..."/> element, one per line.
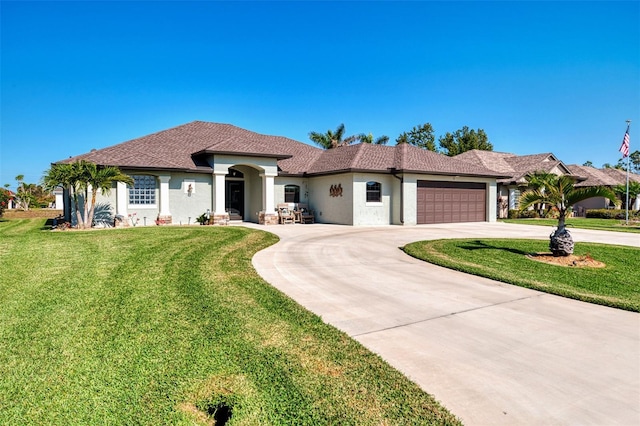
<point x="182" y="172"/>
<point x="516" y="167"/>
<point x="12" y="204"/>
<point x="600" y="177"/>
<point x="58" y="193"/>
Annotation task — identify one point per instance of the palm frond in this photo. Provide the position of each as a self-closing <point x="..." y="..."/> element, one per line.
<point x="382" y="140"/>
<point x="534" y="196"/>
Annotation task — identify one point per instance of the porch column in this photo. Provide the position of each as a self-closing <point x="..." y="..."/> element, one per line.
<point x="220" y="192"/>
<point x="121" y="199"/>
<point x="164" y="195"/>
<point x="268" y="192"/>
<point x="512" y="199"/>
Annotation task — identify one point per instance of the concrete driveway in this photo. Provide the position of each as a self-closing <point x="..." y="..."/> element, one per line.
<point x="492" y="353"/>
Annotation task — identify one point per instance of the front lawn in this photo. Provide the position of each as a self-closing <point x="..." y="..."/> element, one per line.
<point x="171" y="325"/>
<point x="616" y="285"/>
<point x="583" y="223"/>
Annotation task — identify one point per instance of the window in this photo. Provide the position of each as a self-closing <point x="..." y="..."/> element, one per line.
<point x="143" y="190"/>
<point x="373" y="192"/>
<point x="291" y="194"/>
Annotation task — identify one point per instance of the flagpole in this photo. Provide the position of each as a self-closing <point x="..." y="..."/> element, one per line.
<point x="626" y="214"/>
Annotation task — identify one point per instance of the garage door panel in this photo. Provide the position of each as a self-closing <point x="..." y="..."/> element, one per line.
<point x="450" y="202"/>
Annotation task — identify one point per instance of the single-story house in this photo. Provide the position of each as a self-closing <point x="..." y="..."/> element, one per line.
<point x="516" y="167"/>
<point x="601" y="177"/>
<point x="182" y="172"/>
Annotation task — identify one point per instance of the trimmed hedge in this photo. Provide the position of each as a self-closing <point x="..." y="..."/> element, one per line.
<point x="527" y="214"/>
<point x="610" y="214"/>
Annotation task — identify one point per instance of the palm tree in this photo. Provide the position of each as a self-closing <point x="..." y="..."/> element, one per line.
<point x="68" y="176"/>
<point x="102" y="179"/>
<point x="78" y="177"/>
<point x="560" y="192"/>
<point x="382" y="140"/>
<point x="331" y="139"/>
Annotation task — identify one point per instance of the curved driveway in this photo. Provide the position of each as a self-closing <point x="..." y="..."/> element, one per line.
<point x="490" y="352"/>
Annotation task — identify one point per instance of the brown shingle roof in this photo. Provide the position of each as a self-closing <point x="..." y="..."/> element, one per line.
<point x="185" y="148"/>
<point x="594" y="177"/>
<point x="620" y="176"/>
<point x="178" y="148"/>
<point x="516" y="166"/>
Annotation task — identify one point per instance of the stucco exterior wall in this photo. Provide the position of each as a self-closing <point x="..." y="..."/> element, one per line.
<point x="185" y="207"/>
<point x="328" y="209"/>
<point x="303" y="183"/>
<point x="411" y="198"/>
<point x="590" y="203"/>
<point x="105" y="207"/>
<point x="372" y="213"/>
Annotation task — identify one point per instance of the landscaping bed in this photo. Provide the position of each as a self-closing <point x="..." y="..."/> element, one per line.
<point x="615" y="284"/>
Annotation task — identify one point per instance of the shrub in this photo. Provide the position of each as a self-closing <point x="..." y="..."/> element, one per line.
<point x="526" y="214"/>
<point x="609" y="214"/>
<point x="4" y="200"/>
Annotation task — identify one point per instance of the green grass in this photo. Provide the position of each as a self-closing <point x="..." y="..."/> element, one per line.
<point x="583" y="223"/>
<point x="617" y="285"/>
<point x="164" y="325"/>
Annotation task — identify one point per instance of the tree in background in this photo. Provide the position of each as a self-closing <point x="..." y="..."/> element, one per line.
<point x="330" y="140"/>
<point x="5" y="195"/>
<point x="588" y="164"/>
<point x="30" y="195"/>
<point x="634" y="162"/>
<point x="560" y="193"/>
<point x="421" y="136"/>
<point x="78" y="178"/>
<point x="24" y="193"/>
<point x="463" y="140"/>
<point x="621" y="193"/>
<point x="364" y="138"/>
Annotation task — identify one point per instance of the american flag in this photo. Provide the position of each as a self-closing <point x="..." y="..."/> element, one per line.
<point x="624" y="148"/>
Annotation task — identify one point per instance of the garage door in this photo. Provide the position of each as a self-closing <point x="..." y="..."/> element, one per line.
<point x="450" y="202"/>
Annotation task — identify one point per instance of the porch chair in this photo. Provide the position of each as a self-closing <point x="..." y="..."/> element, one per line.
<point x="305" y="215"/>
<point x="285" y="215"/>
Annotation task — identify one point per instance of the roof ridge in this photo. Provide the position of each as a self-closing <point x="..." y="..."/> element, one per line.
<point x="359" y="149"/>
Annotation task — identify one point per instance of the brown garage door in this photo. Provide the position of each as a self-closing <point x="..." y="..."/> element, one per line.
<point x="450" y="202"/>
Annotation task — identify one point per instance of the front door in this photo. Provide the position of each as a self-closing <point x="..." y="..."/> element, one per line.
<point x="235" y="199"/>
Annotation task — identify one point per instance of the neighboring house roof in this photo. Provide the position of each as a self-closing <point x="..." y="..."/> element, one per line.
<point x="593" y="176"/>
<point x="620" y="176"/>
<point x="517" y="167"/>
<point x="186" y="147"/>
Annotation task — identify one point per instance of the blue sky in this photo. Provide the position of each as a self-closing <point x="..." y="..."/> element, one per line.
<point x="539" y="76"/>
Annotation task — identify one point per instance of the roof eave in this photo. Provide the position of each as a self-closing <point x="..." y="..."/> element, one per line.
<point x="248" y="154"/>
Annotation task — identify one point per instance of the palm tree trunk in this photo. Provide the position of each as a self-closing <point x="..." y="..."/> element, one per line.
<point x="561" y="219"/>
<point x="92" y="209"/>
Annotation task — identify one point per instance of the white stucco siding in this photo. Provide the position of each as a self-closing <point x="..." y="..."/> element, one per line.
<point x="105" y="207"/>
<point x="281" y="182"/>
<point x="185" y="206"/>
<point x="410" y="199"/>
<point x="221" y="163"/>
<point x="372" y="213"/>
<point x="332" y="209"/>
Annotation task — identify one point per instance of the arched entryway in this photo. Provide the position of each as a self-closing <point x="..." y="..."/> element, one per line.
<point x="235" y="194"/>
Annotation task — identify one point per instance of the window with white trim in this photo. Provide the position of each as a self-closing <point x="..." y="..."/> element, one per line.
<point x="291" y="194"/>
<point x="143" y="190"/>
<point x="374" y="193"/>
